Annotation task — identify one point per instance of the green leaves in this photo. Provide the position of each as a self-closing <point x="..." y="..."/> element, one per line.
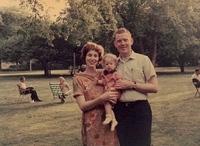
<point x="166" y="31"/>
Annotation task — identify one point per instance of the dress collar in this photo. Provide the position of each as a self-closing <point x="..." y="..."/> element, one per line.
<point x="92" y="77"/>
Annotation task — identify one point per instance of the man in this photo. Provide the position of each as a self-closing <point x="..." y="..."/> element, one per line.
<point x="196" y="77"/>
<point x="133" y="111"/>
<point x="28" y="90"/>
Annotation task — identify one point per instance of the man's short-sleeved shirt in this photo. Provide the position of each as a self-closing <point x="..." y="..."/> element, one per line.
<point x="136" y="68"/>
<point x="22" y="85"/>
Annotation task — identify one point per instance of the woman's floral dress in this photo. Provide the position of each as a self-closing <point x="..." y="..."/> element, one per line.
<point x="94" y="133"/>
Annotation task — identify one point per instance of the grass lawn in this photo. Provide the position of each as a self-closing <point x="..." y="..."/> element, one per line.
<point x="176" y="116"/>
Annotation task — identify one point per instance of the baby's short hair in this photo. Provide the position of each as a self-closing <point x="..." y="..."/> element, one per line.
<point x="111" y="56"/>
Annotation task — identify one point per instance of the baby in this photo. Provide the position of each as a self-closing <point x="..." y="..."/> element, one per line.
<point x="108" y="79"/>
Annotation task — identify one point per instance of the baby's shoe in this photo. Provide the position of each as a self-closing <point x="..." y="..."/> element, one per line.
<point x="113" y="125"/>
<point x="107" y="120"/>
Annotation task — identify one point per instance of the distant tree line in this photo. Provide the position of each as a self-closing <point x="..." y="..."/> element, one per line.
<point x="167" y="31"/>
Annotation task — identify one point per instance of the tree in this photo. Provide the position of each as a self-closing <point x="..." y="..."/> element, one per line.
<point x="89" y="20"/>
<point x="10" y="24"/>
<point x="84" y="21"/>
<point x="182" y="37"/>
<point x="39" y="35"/>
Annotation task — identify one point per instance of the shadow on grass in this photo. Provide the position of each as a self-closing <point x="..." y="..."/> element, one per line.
<point x="42" y="76"/>
<point x="173" y="73"/>
<point x="33" y="76"/>
<point x="10" y="76"/>
<point x="13" y="108"/>
<point x="46" y="139"/>
<point x="192" y="98"/>
<point x="14" y="103"/>
<point x="35" y="103"/>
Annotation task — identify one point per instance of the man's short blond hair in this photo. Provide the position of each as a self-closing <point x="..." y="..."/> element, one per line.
<point x="122" y="30"/>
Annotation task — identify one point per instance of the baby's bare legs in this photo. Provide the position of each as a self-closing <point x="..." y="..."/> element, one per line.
<point x="114" y="122"/>
<point x="110" y="116"/>
<point x="108" y="110"/>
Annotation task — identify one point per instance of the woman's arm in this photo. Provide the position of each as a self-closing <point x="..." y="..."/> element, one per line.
<point x="84" y="105"/>
<point x="151" y="86"/>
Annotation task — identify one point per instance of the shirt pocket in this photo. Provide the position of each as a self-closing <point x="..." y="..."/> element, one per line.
<point x="137" y="74"/>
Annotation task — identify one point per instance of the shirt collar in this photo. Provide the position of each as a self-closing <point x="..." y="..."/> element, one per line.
<point x="132" y="56"/>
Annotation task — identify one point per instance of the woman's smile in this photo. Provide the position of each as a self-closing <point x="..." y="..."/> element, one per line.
<point x="92" y="58"/>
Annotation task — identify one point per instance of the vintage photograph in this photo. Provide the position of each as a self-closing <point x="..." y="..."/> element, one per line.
<point x="99" y="72"/>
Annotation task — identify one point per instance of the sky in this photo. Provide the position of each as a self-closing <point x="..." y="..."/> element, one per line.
<point x="52" y="6"/>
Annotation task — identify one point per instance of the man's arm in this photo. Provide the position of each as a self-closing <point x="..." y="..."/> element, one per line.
<point x="151" y="86"/>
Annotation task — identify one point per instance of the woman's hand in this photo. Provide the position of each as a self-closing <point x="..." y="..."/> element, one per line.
<point x="108" y="96"/>
<point x="111" y="95"/>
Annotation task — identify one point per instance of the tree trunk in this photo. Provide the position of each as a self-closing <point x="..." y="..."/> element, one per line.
<point x="154" y="51"/>
<point x="182" y="68"/>
<point x="181" y="65"/>
<point x="17" y="65"/>
<point x="0" y="64"/>
<point x="74" y="63"/>
<point x="180" y="58"/>
<point x="47" y="71"/>
<point x="141" y="46"/>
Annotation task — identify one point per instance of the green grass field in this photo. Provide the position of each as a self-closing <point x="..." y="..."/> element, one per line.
<point x="176" y="116"/>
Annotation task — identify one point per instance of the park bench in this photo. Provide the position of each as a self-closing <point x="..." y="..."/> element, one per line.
<point x="197" y="86"/>
<point x="56" y="91"/>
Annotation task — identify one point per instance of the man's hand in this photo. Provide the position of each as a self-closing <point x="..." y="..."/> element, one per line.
<point x="124" y="84"/>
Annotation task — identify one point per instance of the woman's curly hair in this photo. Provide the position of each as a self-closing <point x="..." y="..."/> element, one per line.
<point x="92" y="46"/>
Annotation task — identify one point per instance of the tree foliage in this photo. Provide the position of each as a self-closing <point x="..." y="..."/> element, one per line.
<point x="180" y="41"/>
<point x="11" y="46"/>
<point x="166" y="30"/>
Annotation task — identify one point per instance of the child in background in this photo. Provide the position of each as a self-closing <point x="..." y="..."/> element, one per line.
<point x="108" y="79"/>
<point x="64" y="88"/>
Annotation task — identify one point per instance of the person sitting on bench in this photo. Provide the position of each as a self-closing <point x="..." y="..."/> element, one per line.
<point x="196" y="77"/>
<point x="64" y="87"/>
<point x="28" y="90"/>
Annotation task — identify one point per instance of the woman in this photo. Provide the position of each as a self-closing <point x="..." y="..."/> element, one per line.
<point x="28" y="90"/>
<point x="90" y="97"/>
